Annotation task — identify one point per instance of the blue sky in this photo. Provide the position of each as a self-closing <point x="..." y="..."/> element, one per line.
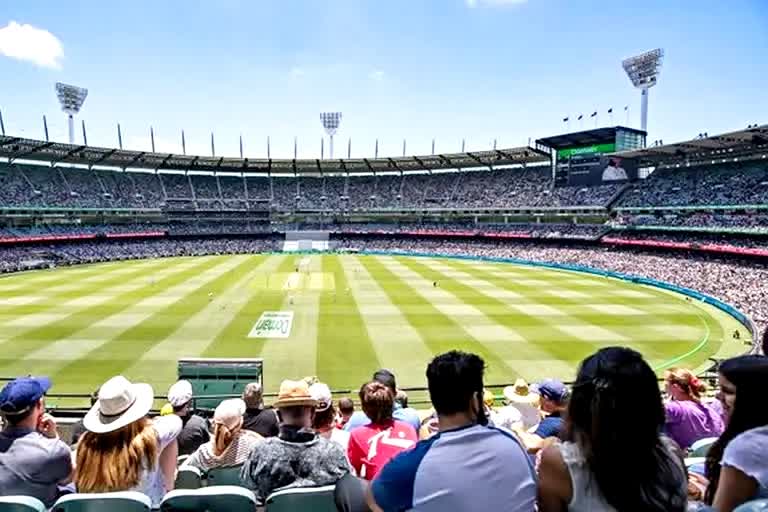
<point x="414" y="69"/>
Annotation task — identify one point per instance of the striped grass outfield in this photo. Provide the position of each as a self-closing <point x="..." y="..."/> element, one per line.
<point x="351" y="315"/>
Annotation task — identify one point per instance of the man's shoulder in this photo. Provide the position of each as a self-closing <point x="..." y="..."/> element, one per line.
<point x="35" y="441"/>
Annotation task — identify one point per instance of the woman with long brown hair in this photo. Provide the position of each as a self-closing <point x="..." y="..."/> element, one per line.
<point x="687" y="418"/>
<point x="124" y="450"/>
<point x="230" y="444"/>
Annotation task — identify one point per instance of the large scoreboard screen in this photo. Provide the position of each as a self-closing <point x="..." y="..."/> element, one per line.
<point x="592" y="165"/>
<point x="588" y="158"/>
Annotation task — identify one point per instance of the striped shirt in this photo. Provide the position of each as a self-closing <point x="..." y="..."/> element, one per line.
<point x="236" y="453"/>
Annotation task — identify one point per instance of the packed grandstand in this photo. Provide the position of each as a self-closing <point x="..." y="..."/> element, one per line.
<point x="696" y="218"/>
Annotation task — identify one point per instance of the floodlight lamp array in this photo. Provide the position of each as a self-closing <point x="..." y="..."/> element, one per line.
<point x="643" y="69"/>
<point x="331" y="121"/>
<point x="70" y="97"/>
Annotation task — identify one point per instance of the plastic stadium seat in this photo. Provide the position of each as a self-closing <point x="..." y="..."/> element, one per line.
<point x="188" y="478"/>
<point x="21" y="504"/>
<point x="695" y="464"/>
<point x="701" y="447"/>
<point x="302" y="499"/>
<point x="753" y="506"/>
<point x="124" y="501"/>
<point x="219" y="498"/>
<point x="225" y="476"/>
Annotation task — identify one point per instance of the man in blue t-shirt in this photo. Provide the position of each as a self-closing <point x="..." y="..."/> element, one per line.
<point x="467" y="465"/>
<point x="553" y="403"/>
<point x="406" y="414"/>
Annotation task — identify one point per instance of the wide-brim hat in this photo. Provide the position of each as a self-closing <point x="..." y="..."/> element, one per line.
<point x="294" y="393"/>
<point x="520" y="393"/>
<point x="120" y="403"/>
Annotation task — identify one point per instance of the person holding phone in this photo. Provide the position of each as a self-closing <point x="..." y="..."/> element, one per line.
<point x="33" y="460"/>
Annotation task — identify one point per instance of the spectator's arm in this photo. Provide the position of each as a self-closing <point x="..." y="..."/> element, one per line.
<point x="532" y="442"/>
<point x="555" y="487"/>
<point x="355" y="454"/>
<point x="733" y="489"/>
<point x="168" y="462"/>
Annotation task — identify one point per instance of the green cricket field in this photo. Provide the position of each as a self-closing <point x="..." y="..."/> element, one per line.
<point x="339" y="317"/>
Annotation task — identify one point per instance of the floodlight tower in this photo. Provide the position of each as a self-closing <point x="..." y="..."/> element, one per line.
<point x="71" y="99"/>
<point x="330" y="122"/>
<point x="643" y="70"/>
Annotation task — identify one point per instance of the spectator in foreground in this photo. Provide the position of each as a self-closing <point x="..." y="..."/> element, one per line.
<point x="553" y="404"/>
<point x="257" y="418"/>
<point x="736" y="464"/>
<point x="687" y="418"/>
<point x="195" y="429"/>
<point x="467" y="466"/>
<point x="372" y="446"/>
<point x="346" y="409"/>
<point x="124" y="450"/>
<point x="613" y="457"/>
<point x="325" y="416"/>
<point x="407" y="415"/>
<point x="33" y="461"/>
<point x="230" y="445"/>
<point x="297" y="457"/>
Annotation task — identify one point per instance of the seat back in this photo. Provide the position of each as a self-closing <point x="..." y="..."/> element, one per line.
<point x="701" y="447"/>
<point x="753" y="506"/>
<point x="124" y="501"/>
<point x="21" y="504"/>
<point x="229" y="475"/>
<point x="302" y="499"/>
<point x="219" y="498"/>
<point x="188" y="477"/>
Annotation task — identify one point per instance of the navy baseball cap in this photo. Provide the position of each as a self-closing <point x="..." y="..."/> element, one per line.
<point x="19" y="395"/>
<point x="552" y="389"/>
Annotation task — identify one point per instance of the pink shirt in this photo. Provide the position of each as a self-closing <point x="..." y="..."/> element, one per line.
<point x="372" y="446"/>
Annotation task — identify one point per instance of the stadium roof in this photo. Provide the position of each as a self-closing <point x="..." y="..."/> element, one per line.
<point x="703" y="148"/>
<point x="585" y="138"/>
<point x="16" y="148"/>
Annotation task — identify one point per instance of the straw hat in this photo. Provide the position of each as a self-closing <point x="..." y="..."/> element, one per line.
<point x="294" y="392"/>
<point x="120" y="403"/>
<point x="520" y="393"/>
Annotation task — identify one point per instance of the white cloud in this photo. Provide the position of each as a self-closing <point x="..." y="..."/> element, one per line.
<point x="28" y="43"/>
<point x="377" y="75"/>
<point x="296" y="72"/>
<point x="492" y="3"/>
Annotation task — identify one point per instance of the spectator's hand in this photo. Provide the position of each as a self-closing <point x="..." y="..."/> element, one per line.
<point x="46" y="425"/>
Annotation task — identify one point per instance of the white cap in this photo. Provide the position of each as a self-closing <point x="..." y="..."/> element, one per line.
<point x="322" y="394"/>
<point x="229" y="413"/>
<point x="180" y="393"/>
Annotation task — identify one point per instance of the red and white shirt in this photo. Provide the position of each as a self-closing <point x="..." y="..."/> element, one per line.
<point x="372" y="446"/>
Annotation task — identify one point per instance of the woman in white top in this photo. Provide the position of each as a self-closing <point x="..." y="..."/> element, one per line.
<point x="123" y="450"/>
<point x="613" y="458"/>
<point x="230" y="445"/>
<point x="737" y="464"/>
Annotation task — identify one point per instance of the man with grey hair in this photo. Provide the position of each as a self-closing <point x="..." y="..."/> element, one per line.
<point x="257" y="418"/>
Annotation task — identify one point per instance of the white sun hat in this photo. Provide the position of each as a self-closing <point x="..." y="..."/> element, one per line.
<point x="120" y="403"/>
<point x="180" y="393"/>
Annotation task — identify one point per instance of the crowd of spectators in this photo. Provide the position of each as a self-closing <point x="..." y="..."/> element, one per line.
<point x="698" y="238"/>
<point x="612" y="441"/>
<point x="16" y="258"/>
<point x="740" y="183"/>
<point x="757" y="222"/>
<point x="29" y="185"/>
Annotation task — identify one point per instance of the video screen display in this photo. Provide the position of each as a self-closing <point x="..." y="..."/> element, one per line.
<point x="590" y="165"/>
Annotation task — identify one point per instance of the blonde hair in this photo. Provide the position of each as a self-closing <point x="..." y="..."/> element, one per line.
<point x="223" y="436"/>
<point x="114" y="461"/>
<point x="688" y="382"/>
